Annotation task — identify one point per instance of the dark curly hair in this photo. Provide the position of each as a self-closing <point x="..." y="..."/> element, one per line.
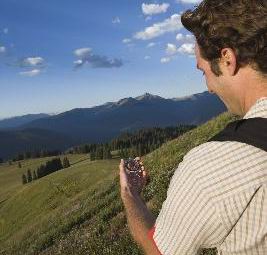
<point x="237" y="24"/>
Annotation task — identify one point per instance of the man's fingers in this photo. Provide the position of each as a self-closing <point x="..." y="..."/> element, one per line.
<point x="124" y="185"/>
<point x="144" y="174"/>
<point x="122" y="171"/>
<point x="121" y="166"/>
<point x="144" y="171"/>
<point x="146" y="177"/>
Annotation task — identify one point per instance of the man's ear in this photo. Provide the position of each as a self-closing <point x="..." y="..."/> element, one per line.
<point x="229" y="61"/>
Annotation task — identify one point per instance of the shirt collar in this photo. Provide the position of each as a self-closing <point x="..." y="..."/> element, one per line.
<point x="258" y="110"/>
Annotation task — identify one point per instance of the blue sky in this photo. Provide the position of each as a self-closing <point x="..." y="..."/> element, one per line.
<point x="63" y="54"/>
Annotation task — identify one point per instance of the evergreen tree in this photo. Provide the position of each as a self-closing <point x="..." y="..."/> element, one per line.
<point x="121" y="153"/>
<point x="29" y="175"/>
<point x="20" y="157"/>
<point x="92" y="155"/>
<point x="34" y="175"/>
<point x="140" y="150"/>
<point x="124" y="153"/>
<point x="27" y="155"/>
<point x="53" y="165"/>
<point x="41" y="171"/>
<point x="99" y="152"/>
<point x="58" y="164"/>
<point x="24" y="179"/>
<point x="106" y="153"/>
<point x="50" y="167"/>
<point x="66" y="163"/>
<point x="86" y="149"/>
<point x="38" y="172"/>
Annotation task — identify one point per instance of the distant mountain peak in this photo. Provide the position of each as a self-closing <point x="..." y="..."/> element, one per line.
<point x="148" y="96"/>
<point x="126" y="100"/>
<point x="192" y="97"/>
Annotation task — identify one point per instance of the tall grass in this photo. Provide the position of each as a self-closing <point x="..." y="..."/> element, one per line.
<point x="80" y="211"/>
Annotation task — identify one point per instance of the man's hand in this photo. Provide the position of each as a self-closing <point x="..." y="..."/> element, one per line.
<point x="139" y="218"/>
<point x="132" y="183"/>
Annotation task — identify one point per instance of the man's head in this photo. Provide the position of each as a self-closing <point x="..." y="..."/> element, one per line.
<point x="237" y="24"/>
<point x="231" y="36"/>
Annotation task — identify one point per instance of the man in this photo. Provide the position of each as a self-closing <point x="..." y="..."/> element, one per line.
<point x="218" y="194"/>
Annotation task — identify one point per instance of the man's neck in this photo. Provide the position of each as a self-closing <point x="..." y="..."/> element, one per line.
<point x="256" y="88"/>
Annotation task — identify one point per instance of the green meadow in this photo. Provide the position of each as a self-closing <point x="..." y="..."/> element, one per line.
<point x="78" y="210"/>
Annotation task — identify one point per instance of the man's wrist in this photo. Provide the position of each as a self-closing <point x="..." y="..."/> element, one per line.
<point x="129" y="195"/>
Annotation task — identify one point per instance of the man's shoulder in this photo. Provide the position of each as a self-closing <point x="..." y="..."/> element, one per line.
<point x="218" y="165"/>
<point x="212" y="148"/>
<point x="214" y="157"/>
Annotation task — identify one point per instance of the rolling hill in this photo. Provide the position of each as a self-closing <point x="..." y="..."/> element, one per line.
<point x="79" y="211"/>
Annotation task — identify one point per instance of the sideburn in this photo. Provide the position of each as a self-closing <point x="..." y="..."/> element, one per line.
<point x="214" y="66"/>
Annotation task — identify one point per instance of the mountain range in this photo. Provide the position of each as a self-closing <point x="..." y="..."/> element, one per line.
<point x="104" y="122"/>
<point x="20" y="120"/>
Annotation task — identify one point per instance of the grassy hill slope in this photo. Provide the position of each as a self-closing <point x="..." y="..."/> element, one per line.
<point x="30" y="214"/>
<point x="10" y="175"/>
<point x="79" y="211"/>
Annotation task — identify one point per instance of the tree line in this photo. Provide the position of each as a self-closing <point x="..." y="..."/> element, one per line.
<point x="36" y="154"/>
<point x="49" y="167"/>
<point x="134" y="144"/>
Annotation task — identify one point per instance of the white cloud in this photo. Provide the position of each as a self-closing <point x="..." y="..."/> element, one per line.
<point x="179" y="37"/>
<point x="150" y="45"/>
<point x="126" y="40"/>
<point x="82" y="52"/>
<point x="116" y="20"/>
<point x="185" y="38"/>
<point x="151" y="9"/>
<point x="189" y="1"/>
<point x="31" y="73"/>
<point x="190" y="38"/>
<point x="5" y="30"/>
<point x="33" y="61"/>
<point x="147" y="57"/>
<point x="2" y="49"/>
<point x="78" y="62"/>
<point x="171" y="24"/>
<point x="171" y="49"/>
<point x="187" y="48"/>
<point x="165" y="60"/>
<point x="87" y="57"/>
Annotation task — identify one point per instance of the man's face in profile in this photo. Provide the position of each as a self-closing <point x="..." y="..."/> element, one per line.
<point x="204" y="66"/>
<point x="216" y="84"/>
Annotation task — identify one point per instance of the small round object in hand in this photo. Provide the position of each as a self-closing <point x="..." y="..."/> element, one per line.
<point x="133" y="166"/>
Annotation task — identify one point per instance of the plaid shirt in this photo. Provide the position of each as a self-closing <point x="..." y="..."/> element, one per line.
<point x="217" y="198"/>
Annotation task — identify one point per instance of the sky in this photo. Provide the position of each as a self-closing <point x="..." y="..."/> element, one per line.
<point x="56" y="55"/>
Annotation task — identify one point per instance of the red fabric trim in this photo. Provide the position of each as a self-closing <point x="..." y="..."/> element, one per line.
<point x="151" y="232"/>
<point x="150" y="236"/>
